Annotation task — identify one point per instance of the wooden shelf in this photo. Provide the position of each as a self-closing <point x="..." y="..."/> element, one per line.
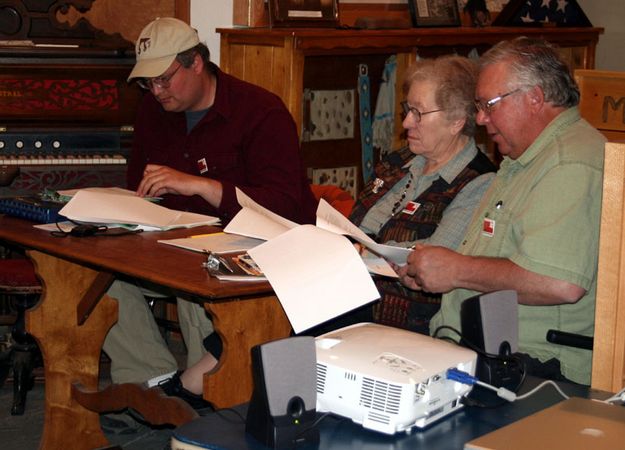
<point x="286" y="61"/>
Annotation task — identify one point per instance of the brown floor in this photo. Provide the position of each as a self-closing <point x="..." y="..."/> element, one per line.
<point x="24" y="432"/>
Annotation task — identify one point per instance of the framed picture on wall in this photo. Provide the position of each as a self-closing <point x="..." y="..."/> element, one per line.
<point x="434" y="13"/>
<point x="303" y="13"/>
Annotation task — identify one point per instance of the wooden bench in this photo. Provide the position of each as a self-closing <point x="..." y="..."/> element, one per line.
<point x="608" y="361"/>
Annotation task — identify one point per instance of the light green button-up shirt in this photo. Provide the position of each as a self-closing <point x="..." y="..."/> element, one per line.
<point x="546" y="210"/>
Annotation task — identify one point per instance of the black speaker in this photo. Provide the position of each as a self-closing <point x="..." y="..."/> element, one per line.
<point x="490" y="322"/>
<point x="282" y="411"/>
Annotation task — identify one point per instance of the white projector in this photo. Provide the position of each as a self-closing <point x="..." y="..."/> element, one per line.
<point x="388" y="379"/>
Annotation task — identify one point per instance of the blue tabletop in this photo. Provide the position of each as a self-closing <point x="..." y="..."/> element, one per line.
<point x="225" y="429"/>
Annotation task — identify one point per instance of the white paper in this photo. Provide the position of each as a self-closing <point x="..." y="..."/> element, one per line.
<point x="239" y="278"/>
<point x="377" y="265"/>
<point x="255" y="221"/>
<point x="217" y="242"/>
<point x="106" y="208"/>
<point x="67" y="194"/>
<point x="316" y="274"/>
<point x="330" y="219"/>
<point x="103" y="190"/>
<point x="64" y="227"/>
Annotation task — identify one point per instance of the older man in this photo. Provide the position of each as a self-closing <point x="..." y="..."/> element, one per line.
<point x="537" y="228"/>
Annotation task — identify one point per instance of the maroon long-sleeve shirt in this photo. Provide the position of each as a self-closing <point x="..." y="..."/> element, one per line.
<point x="247" y="139"/>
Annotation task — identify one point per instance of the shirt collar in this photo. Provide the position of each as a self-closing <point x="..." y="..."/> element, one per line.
<point x="221" y="104"/>
<point x="561" y="122"/>
<point x="449" y="171"/>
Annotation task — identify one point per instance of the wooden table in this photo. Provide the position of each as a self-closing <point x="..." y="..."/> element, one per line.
<point x="74" y="315"/>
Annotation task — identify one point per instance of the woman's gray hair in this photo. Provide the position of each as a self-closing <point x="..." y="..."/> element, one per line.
<point x="534" y="62"/>
<point x="455" y="78"/>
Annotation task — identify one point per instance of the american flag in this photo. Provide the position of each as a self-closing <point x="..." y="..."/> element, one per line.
<point x="554" y="12"/>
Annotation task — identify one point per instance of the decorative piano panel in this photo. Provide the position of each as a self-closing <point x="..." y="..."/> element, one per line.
<point x="66" y="109"/>
<point x="64" y="123"/>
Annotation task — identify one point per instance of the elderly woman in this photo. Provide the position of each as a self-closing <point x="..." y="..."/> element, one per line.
<point x="427" y="191"/>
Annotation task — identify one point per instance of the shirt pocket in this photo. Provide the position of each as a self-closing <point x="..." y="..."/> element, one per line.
<point x="223" y="164"/>
<point x="494" y="244"/>
<point x="503" y="232"/>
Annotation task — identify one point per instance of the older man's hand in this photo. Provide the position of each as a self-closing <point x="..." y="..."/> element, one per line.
<point x="431" y="269"/>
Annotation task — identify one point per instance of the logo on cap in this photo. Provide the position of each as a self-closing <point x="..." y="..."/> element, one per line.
<point x="144" y="45"/>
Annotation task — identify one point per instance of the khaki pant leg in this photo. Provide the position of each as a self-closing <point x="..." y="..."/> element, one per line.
<point x="195" y="326"/>
<point x="135" y="345"/>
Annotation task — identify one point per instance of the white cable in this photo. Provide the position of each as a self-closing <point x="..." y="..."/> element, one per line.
<point x="502" y="392"/>
<point x="541" y="385"/>
<point x="507" y="394"/>
<point x="619" y="396"/>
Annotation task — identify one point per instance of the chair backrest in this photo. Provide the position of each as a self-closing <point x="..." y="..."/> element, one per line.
<point x="338" y="198"/>
<point x="602" y="101"/>
<point x="608" y="361"/>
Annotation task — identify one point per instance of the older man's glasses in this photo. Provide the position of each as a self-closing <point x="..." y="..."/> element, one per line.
<point x="406" y="108"/>
<point x="162" y="82"/>
<point x="487" y="106"/>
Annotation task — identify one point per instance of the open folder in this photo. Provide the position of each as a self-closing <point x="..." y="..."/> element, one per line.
<point x="108" y="208"/>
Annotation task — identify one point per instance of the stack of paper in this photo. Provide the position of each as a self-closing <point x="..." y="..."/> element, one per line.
<point x="66" y="195"/>
<point x="108" y="208"/>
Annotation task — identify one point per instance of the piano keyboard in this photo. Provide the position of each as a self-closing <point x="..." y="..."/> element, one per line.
<point x="66" y="160"/>
<point x="33" y="160"/>
<point x="67" y="148"/>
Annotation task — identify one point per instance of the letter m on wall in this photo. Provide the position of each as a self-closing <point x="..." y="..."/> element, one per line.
<point x="602" y="101"/>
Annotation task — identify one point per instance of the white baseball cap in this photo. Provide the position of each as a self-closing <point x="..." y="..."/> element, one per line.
<point x="159" y="43"/>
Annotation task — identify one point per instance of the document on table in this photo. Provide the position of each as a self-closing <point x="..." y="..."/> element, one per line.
<point x="107" y="208"/>
<point x="216" y="242"/>
<point x="316" y="274"/>
<point x="66" y="195"/>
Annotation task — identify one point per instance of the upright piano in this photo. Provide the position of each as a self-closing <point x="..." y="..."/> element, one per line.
<point x="66" y="110"/>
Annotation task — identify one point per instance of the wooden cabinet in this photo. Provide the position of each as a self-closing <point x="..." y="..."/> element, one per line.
<point x="288" y="61"/>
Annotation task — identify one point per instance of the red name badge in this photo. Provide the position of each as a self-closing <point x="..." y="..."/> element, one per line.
<point x="202" y="166"/>
<point x="488" y="227"/>
<point x="411" y="208"/>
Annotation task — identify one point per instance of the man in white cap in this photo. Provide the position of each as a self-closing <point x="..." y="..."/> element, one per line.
<point x="199" y="134"/>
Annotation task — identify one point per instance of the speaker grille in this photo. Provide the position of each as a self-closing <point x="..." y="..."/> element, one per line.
<point x="322" y="371"/>
<point x="380" y="396"/>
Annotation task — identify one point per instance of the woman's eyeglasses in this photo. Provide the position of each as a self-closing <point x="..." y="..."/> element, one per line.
<point x="406" y="108"/>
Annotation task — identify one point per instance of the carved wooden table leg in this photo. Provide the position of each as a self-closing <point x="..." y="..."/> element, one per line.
<point x="242" y="324"/>
<point x="71" y="350"/>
